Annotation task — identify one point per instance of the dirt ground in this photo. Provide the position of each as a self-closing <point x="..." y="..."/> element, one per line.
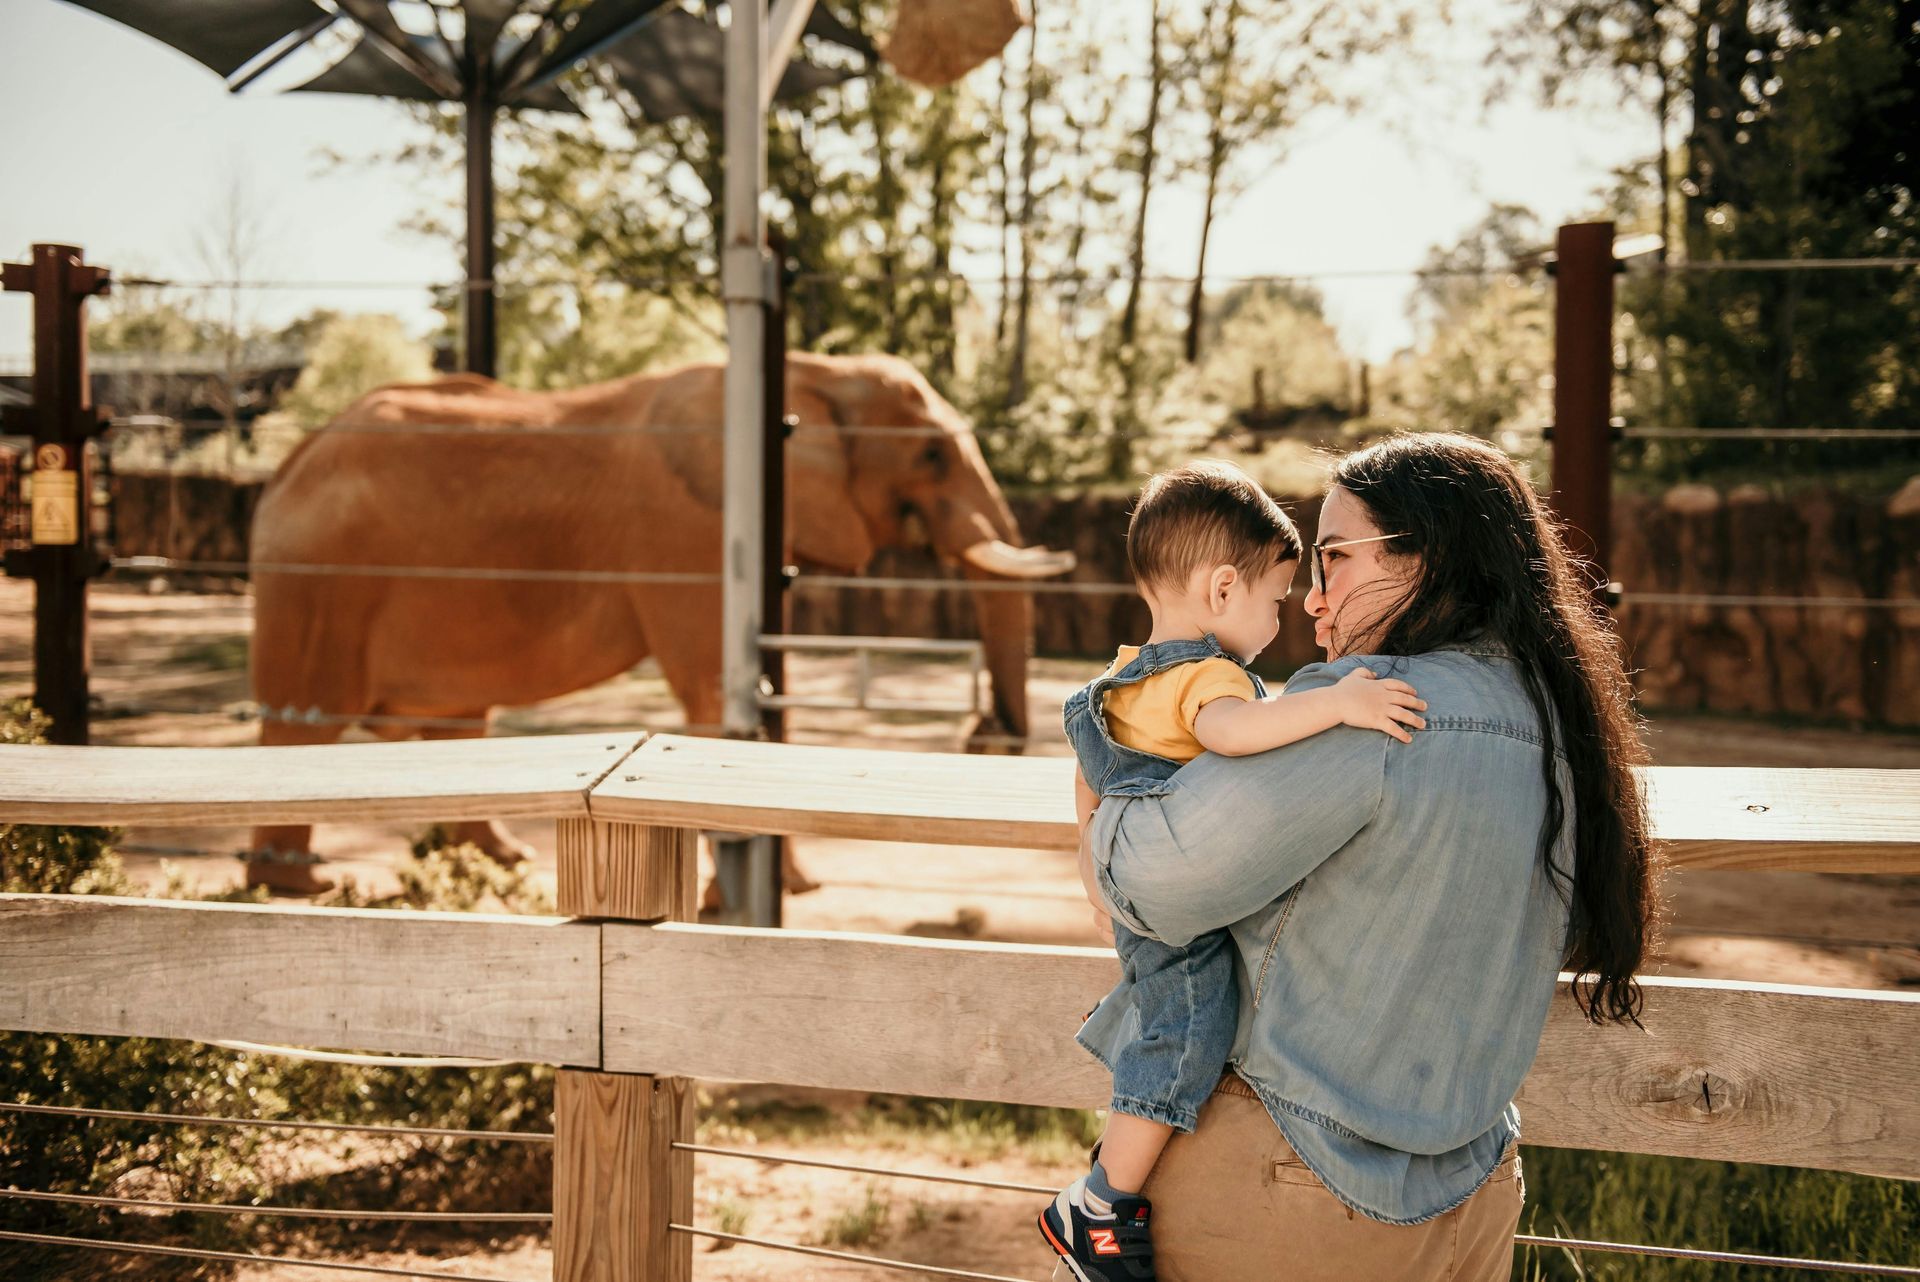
<point x="167" y="663"/>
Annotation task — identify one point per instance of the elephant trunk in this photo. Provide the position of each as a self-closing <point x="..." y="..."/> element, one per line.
<point x="984" y="540"/>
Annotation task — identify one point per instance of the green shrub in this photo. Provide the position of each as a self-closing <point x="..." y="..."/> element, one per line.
<point x="230" y="1164"/>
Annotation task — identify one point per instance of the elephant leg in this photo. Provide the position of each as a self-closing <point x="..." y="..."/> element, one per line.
<point x="489" y="835"/>
<point x="280" y="856"/>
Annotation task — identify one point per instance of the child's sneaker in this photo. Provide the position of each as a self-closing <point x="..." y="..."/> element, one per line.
<point x="1098" y="1248"/>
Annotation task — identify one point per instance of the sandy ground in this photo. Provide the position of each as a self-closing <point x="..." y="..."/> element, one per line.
<point x="162" y="661"/>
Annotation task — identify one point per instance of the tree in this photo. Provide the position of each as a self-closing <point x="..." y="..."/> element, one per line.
<point x="352" y="356"/>
<point x="1797" y="123"/>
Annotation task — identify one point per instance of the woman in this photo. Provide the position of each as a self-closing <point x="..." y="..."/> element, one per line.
<point x="1400" y="911"/>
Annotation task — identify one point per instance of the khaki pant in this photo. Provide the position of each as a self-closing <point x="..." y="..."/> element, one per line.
<point x="1232" y="1203"/>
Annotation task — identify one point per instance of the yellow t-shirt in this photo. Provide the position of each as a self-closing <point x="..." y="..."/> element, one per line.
<point x="1156" y="715"/>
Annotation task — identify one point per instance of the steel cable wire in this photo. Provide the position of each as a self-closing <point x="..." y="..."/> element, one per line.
<point x="788" y="1159"/>
<point x="1718" y="1257"/>
<point x="286" y="1212"/>
<point x="243" y="1257"/>
<point x="877" y="1261"/>
<point x="356" y="1128"/>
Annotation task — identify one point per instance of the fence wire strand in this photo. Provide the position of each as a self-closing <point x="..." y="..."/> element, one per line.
<point x="789" y="1159"/>
<point x="876" y="1261"/>
<point x="1718" y="1257"/>
<point x="243" y="1257"/>
<point x="282" y="1212"/>
<point x="355" y="1128"/>
<point x="141" y="423"/>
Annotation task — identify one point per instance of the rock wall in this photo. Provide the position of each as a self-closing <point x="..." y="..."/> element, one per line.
<point x="1853" y="664"/>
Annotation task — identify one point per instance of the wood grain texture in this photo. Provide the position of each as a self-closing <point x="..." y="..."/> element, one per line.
<point x="1710" y="817"/>
<point x="617" y="1182"/>
<point x="944" y="798"/>
<point x="530" y="776"/>
<point x="1861" y="821"/>
<point x="1740" y="1072"/>
<point x="632" y="872"/>
<point x="343" y="979"/>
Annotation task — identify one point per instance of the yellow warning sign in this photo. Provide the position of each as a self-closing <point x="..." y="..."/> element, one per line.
<point x="56" y="506"/>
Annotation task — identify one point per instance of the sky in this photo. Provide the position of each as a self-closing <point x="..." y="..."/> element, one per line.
<point x="117" y="143"/>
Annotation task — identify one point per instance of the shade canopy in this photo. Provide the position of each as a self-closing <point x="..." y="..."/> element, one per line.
<point x="509" y="53"/>
<point x="485" y="54"/>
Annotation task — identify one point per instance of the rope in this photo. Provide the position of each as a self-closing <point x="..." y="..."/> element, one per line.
<point x="1719" y="1257"/>
<point x="241" y="1257"/>
<point x="166" y="565"/>
<point x="788" y="1159"/>
<point x="356" y="1128"/>
<point x="1736" y="602"/>
<point x="877" y="1261"/>
<point x="288" y="1212"/>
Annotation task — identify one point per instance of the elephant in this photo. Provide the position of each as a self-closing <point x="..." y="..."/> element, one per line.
<point x="467" y="472"/>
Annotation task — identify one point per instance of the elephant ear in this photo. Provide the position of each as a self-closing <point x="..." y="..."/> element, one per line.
<point x="822" y="513"/>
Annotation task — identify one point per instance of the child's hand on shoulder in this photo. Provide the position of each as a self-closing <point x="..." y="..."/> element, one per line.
<point x="1369" y="703"/>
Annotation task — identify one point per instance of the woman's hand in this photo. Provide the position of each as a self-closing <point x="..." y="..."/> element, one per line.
<point x="1390" y="705"/>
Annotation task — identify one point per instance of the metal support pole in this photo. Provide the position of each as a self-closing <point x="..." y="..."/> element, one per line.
<point x="774" y="542"/>
<point x="1582" y="389"/>
<point x="478" y="319"/>
<point x="748" y="869"/>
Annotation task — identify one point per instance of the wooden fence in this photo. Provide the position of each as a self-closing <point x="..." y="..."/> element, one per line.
<point x="631" y="999"/>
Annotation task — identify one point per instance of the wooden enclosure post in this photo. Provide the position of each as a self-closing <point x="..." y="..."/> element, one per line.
<point x="62" y="557"/>
<point x="618" y="1182"/>
<point x="1583" y="389"/>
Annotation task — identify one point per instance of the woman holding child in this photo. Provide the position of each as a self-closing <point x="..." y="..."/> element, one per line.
<point x="1341" y="924"/>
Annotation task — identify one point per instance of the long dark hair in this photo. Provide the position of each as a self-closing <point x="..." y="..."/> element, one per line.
<point x="1494" y="564"/>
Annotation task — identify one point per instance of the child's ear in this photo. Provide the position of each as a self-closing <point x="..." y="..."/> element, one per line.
<point x="1219" y="586"/>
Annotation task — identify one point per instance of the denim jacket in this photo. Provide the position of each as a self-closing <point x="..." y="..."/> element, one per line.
<point x="1111" y="768"/>
<point x="1398" y="937"/>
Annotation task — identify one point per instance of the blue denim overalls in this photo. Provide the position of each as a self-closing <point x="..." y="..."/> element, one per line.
<point x="1180" y="1004"/>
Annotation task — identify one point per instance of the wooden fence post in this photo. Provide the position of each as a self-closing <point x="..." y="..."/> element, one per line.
<point x="618" y="1182"/>
<point x="63" y="555"/>
<point x="1583" y="390"/>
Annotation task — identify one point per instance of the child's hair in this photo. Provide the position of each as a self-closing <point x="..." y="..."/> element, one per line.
<point x="1206" y="513"/>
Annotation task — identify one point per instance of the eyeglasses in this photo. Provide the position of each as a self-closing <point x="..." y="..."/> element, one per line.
<point x="1317" y="565"/>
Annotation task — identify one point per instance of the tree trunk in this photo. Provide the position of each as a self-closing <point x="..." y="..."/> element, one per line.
<point x="1120" y="451"/>
<point x="940" y="230"/>
<point x="1216" y="161"/>
<point x="1017" y="366"/>
<point x="1003" y="186"/>
<point x="1137" y="254"/>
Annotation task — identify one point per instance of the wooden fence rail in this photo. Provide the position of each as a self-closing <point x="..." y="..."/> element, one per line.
<point x="632" y="1000"/>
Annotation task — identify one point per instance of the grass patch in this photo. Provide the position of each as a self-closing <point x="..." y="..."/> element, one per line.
<point x="732" y="1216"/>
<point x="224" y="654"/>
<point x="858" y="1225"/>
<point x="1724" y="1206"/>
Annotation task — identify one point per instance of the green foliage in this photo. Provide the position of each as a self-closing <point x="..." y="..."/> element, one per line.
<point x="36" y="859"/>
<point x="1765" y="1210"/>
<point x="350" y="356"/>
<point x="191" y="1163"/>
<point x="1782" y="132"/>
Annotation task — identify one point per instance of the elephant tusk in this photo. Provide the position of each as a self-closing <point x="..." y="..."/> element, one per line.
<point x="997" y="557"/>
